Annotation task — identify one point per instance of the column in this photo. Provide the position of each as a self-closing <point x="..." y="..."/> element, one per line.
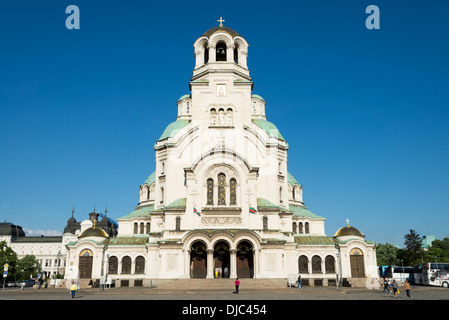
<point x="233" y="271"/>
<point x="210" y="264"/>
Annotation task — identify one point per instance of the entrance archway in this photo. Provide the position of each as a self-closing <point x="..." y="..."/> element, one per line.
<point x="198" y="261"/>
<point x="357" y="263"/>
<point x="245" y="260"/>
<point x="85" y="264"/>
<point x="222" y="260"/>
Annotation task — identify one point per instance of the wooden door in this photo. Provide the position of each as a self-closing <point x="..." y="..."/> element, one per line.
<point x="357" y="264"/>
<point x="85" y="264"/>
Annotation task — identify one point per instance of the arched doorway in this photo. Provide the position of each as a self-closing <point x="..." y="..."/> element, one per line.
<point x="198" y="260"/>
<point x="222" y="260"/>
<point x="357" y="263"/>
<point x="245" y="260"/>
<point x="85" y="264"/>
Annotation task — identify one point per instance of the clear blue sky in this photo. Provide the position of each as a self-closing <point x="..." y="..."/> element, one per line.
<point x="365" y="112"/>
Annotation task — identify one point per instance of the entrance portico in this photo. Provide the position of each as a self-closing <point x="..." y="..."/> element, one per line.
<point x="221" y="254"/>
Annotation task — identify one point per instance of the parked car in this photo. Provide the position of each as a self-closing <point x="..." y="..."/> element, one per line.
<point x="26" y="283"/>
<point x="11" y="284"/>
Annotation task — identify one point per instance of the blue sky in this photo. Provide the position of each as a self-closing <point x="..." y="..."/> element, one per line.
<point x="365" y="112"/>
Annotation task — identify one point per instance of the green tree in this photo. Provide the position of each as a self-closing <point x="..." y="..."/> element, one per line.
<point x="26" y="267"/>
<point x="7" y="255"/>
<point x="386" y="255"/>
<point x="439" y="249"/>
<point x="413" y="252"/>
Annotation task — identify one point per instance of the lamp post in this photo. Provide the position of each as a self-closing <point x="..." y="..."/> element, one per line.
<point x="402" y="273"/>
<point x="339" y="274"/>
<point x="58" y="262"/>
<point x="102" y="266"/>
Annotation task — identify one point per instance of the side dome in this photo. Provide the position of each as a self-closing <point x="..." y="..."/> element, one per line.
<point x="349" y="231"/>
<point x="94" y="232"/>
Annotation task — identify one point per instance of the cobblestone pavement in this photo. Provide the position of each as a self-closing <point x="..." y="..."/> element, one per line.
<point x="306" y="293"/>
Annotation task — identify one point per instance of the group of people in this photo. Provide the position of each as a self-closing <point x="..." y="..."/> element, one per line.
<point x="394" y="286"/>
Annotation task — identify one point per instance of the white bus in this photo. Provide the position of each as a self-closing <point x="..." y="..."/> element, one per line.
<point x="435" y="274"/>
<point x="400" y="273"/>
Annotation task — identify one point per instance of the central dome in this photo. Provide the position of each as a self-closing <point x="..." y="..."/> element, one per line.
<point x="210" y="32"/>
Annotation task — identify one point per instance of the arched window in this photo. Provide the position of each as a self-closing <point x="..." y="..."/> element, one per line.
<point x="126" y="265"/>
<point x="113" y="265"/>
<point x="136" y="227"/>
<point x="236" y="55"/>
<point x="220" y="54"/>
<point x="213" y="117"/>
<point x="329" y="264"/>
<point x="229" y="117"/>
<point x="294" y="227"/>
<point x="206" y="54"/>
<point x="140" y="265"/>
<point x="188" y="107"/>
<point x="303" y="264"/>
<point x="254" y="107"/>
<point x="300" y="228"/>
<point x="221" y="189"/>
<point x="316" y="264"/>
<point x="142" y="228"/>
<point x="233" y="191"/>
<point x="148" y="227"/>
<point x="307" y="227"/>
<point x="265" y="223"/>
<point x="210" y="191"/>
<point x="178" y="224"/>
<point x="221" y="117"/>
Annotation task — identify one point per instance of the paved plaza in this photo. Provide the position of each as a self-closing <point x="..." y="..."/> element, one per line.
<point x="305" y="293"/>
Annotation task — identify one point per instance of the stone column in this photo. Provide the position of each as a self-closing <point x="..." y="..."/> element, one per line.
<point x="210" y="264"/>
<point x="233" y="266"/>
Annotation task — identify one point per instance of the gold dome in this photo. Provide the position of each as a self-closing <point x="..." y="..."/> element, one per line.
<point x="349" y="231"/>
<point x="94" y="232"/>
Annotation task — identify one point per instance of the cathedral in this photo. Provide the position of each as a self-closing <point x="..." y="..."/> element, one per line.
<point x="221" y="202"/>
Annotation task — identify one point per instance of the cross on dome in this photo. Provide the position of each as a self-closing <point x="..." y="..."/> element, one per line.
<point x="221" y="21"/>
<point x="347" y="222"/>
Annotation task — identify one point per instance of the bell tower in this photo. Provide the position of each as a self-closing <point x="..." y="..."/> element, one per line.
<point x="221" y="49"/>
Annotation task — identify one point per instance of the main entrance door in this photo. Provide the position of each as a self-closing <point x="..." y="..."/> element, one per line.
<point x="85" y="264"/>
<point x="221" y="260"/>
<point x="245" y="260"/>
<point x="198" y="261"/>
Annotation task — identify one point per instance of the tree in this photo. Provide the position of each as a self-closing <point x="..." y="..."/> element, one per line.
<point x="386" y="255"/>
<point x="7" y="255"/>
<point x="26" y="267"/>
<point x="439" y="249"/>
<point x="413" y="251"/>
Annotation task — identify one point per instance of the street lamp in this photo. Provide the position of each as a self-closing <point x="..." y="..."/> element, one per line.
<point x="402" y="273"/>
<point x="58" y="262"/>
<point x="339" y="275"/>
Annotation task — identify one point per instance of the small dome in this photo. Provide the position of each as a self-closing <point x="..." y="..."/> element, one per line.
<point x="94" y="232"/>
<point x="210" y="32"/>
<point x="349" y="231"/>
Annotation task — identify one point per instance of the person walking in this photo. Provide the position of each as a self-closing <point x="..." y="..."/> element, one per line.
<point x="386" y="286"/>
<point x="237" y="283"/>
<point x="299" y="282"/>
<point x="73" y="289"/>
<point x="407" y="288"/>
<point x="395" y="288"/>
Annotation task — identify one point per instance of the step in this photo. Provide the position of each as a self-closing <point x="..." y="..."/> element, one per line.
<point x="219" y="283"/>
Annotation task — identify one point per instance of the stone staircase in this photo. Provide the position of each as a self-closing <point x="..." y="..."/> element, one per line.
<point x="225" y="284"/>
